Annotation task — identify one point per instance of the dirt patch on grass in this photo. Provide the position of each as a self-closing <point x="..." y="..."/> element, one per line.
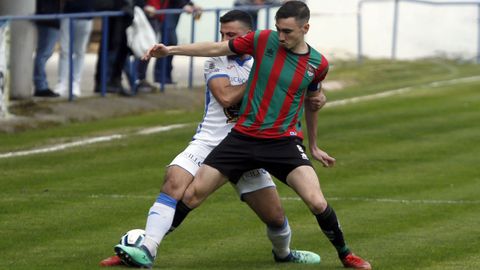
<point x="331" y="85"/>
<point x="43" y="112"/>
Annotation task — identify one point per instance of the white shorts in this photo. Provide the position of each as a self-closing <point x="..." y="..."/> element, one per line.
<point x="193" y="156"/>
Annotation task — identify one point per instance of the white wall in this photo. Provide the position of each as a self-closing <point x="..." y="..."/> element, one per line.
<point x="21" y="47"/>
<point x="423" y="30"/>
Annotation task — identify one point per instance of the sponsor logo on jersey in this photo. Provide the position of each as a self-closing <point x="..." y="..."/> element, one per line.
<point x="269" y="52"/>
<point x="232" y="113"/>
<point x="238" y="80"/>
<point x="310" y="70"/>
<point x="212" y="68"/>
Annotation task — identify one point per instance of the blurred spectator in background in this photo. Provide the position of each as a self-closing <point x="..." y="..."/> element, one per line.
<point x="165" y="25"/>
<point x="254" y="12"/>
<point x="117" y="48"/>
<point x="135" y="64"/>
<point x="47" y="36"/>
<point x="81" y="34"/>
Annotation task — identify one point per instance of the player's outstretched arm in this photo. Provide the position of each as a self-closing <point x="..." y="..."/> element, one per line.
<point x="311" y="118"/>
<point x="207" y="49"/>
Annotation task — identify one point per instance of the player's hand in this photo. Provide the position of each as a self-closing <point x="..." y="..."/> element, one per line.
<point x="189" y="9"/>
<point x="316" y="102"/>
<point x="158" y="51"/>
<point x="149" y="11"/>
<point x="323" y="157"/>
<point x="197" y="10"/>
<point x="193" y="9"/>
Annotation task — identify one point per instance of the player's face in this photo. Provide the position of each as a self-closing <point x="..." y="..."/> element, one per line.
<point x="231" y="30"/>
<point x="290" y="32"/>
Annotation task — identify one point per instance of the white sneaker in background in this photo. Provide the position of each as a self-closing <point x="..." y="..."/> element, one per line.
<point x="61" y="89"/>
<point x="76" y="89"/>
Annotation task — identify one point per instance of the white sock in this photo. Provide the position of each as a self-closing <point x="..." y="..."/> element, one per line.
<point x="280" y="238"/>
<point x="159" y="220"/>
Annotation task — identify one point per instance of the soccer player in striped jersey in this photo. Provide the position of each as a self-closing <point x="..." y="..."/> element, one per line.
<point x="225" y="79"/>
<point x="286" y="70"/>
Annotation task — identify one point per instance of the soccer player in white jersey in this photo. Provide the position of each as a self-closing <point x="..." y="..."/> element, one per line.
<point x="225" y="78"/>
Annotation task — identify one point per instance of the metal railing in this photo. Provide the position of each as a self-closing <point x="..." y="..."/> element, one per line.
<point x="396" y="15"/>
<point x="104" y="15"/>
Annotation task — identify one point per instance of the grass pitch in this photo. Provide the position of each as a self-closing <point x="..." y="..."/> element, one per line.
<point x="406" y="186"/>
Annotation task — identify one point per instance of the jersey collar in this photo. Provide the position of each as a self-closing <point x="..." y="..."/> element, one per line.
<point x="239" y="60"/>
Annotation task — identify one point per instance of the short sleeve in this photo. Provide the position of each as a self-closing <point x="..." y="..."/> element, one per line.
<point x="214" y="67"/>
<point x="243" y="44"/>
<point x="320" y="75"/>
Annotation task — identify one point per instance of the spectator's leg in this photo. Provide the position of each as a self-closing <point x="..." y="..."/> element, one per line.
<point x="47" y="37"/>
<point x="142" y="67"/>
<point x="254" y="14"/>
<point x="83" y="28"/>
<point x="169" y="37"/>
<point x="172" y="32"/>
<point x="111" y="53"/>
<point x="63" y="67"/>
<point x="121" y="55"/>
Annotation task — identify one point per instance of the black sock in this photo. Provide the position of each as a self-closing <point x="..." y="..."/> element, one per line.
<point x="331" y="228"/>
<point x="181" y="212"/>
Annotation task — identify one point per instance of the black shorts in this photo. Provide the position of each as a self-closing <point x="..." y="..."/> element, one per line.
<point x="239" y="153"/>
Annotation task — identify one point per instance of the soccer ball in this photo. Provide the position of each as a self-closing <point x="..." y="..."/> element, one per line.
<point x="133" y="238"/>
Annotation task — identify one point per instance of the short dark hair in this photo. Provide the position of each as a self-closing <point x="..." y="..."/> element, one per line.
<point x="296" y="9"/>
<point x="237" y="15"/>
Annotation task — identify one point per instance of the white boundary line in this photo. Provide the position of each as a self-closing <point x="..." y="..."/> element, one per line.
<point x="398" y="91"/>
<point x="158" y="129"/>
<point x="148" y="131"/>
<point x="64" y="146"/>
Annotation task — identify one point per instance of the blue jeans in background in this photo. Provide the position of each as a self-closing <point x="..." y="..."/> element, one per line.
<point x="47" y="37"/>
<point x="163" y="66"/>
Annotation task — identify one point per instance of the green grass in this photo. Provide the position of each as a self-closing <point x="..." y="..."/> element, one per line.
<point x="406" y="186"/>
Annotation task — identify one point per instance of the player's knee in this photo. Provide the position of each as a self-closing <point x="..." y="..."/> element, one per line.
<point x="317" y="206"/>
<point x="190" y="198"/>
<point x="276" y="221"/>
<point x="173" y="189"/>
<point x="275" y="218"/>
<point x="175" y="186"/>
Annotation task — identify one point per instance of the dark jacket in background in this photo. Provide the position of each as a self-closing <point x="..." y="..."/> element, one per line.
<point x="117" y="5"/>
<point x="48" y="7"/>
<point x="140" y="3"/>
<point x="74" y="6"/>
<point x="177" y="4"/>
<point x="117" y="39"/>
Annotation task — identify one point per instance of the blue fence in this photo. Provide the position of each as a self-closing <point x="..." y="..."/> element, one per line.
<point x="396" y="16"/>
<point x="217" y="13"/>
<point x="104" y="15"/>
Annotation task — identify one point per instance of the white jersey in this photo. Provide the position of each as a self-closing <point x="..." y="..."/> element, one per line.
<point x="218" y="121"/>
